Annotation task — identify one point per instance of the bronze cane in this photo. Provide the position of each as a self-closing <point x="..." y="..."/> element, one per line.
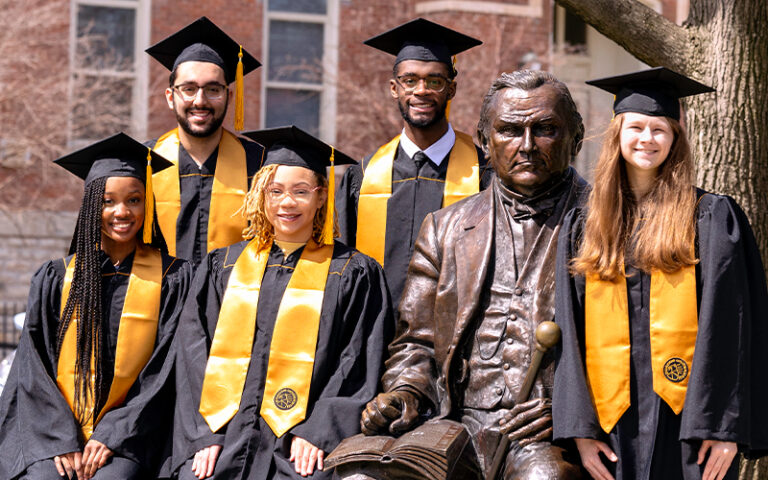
<point x="547" y="336"/>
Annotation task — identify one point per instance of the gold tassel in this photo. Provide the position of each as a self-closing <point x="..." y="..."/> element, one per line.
<point x="149" y="202"/>
<point x="448" y="104"/>
<point x="239" y="94"/>
<point x="328" y="227"/>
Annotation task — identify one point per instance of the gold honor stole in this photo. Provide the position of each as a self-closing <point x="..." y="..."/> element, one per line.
<point x="673" y="328"/>
<point x="135" y="336"/>
<point x="294" y="340"/>
<point x="230" y="184"/>
<point x="462" y="179"/>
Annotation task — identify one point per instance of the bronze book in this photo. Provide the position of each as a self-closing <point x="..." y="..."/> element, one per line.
<point x="433" y="451"/>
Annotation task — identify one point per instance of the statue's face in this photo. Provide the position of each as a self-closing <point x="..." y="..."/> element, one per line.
<point x="529" y="142"/>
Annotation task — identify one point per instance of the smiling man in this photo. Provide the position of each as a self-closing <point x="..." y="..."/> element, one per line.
<point x="198" y="197"/>
<point x="481" y="280"/>
<point x="427" y="166"/>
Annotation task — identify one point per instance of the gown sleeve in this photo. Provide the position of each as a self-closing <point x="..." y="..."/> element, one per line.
<point x="37" y="422"/>
<point x="347" y="194"/>
<point x="191" y="346"/>
<point x="138" y="429"/>
<point x="573" y="412"/>
<point x="364" y="321"/>
<point x="727" y="393"/>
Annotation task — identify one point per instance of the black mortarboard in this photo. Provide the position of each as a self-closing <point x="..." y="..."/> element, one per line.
<point x="423" y="40"/>
<point x="653" y="91"/>
<point x="294" y="147"/>
<point x="118" y="156"/>
<point x="203" y="41"/>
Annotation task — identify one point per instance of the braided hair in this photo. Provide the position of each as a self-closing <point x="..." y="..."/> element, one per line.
<point x="84" y="302"/>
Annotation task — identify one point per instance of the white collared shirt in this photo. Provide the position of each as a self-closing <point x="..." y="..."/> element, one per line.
<point x="435" y="152"/>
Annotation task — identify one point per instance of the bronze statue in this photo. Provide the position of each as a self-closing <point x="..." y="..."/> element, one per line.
<point x="480" y="281"/>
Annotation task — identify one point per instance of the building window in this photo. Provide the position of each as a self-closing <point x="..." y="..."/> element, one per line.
<point x="570" y="32"/>
<point x="301" y="38"/>
<point x="108" y="82"/>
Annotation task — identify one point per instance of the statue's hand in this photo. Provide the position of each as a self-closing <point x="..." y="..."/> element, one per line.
<point x="396" y="411"/>
<point x="528" y="422"/>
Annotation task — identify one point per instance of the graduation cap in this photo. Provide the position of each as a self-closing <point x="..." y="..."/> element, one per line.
<point x="423" y="40"/>
<point x="118" y="156"/>
<point x="294" y="147"/>
<point x="654" y="91"/>
<point x="203" y="41"/>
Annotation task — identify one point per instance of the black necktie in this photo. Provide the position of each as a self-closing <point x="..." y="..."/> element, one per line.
<point x="420" y="158"/>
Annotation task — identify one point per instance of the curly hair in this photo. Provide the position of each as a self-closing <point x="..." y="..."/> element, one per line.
<point x="657" y="231"/>
<point x="254" y="209"/>
<point x="85" y="303"/>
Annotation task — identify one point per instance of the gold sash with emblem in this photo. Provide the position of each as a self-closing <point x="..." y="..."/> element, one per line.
<point x="673" y="329"/>
<point x="462" y="180"/>
<point x="135" y="337"/>
<point x="230" y="184"/>
<point x="294" y="340"/>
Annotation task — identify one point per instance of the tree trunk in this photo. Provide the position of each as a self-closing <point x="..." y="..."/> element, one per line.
<point x="724" y="44"/>
<point x="729" y="129"/>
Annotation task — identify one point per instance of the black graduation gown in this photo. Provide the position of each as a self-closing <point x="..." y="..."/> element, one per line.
<point x="355" y="328"/>
<point x="36" y="422"/>
<point x="414" y="195"/>
<point x="196" y="184"/>
<point x="727" y="393"/>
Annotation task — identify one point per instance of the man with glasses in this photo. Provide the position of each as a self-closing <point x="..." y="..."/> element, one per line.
<point x="382" y="201"/>
<point x="198" y="198"/>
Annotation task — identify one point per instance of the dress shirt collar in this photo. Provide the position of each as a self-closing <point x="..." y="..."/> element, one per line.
<point x="436" y="152"/>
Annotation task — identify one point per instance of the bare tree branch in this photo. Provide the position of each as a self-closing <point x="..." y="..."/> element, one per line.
<point x="638" y="29"/>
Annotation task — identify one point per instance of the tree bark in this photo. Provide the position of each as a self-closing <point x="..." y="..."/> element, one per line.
<point x="724" y="43"/>
<point x="637" y="29"/>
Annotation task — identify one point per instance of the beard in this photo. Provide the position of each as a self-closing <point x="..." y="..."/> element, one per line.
<point x="205" y="130"/>
<point x="439" y="115"/>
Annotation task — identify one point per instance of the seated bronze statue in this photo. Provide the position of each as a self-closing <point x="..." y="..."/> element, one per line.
<point x="480" y="282"/>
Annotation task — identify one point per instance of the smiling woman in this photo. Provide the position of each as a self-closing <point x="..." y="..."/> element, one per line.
<point x="662" y="301"/>
<point x="90" y="378"/>
<point x="302" y="359"/>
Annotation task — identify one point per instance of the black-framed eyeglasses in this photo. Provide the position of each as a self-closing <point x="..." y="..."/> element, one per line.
<point x="433" y="83"/>
<point x="212" y="91"/>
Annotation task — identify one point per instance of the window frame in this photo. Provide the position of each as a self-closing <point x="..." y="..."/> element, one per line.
<point x="139" y="74"/>
<point x="327" y="89"/>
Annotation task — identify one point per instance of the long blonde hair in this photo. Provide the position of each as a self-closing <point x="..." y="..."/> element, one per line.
<point x="657" y="231"/>
<point x="254" y="209"/>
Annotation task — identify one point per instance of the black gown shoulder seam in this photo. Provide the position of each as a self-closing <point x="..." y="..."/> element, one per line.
<point x="173" y="261"/>
<point x="344" y="268"/>
<point x="224" y="264"/>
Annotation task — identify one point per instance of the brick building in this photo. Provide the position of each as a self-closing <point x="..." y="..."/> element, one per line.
<point x="74" y="71"/>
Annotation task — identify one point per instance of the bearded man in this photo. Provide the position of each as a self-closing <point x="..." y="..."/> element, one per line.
<point x="197" y="199"/>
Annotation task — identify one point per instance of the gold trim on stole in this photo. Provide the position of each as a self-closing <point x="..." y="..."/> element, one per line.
<point x="673" y="330"/>
<point x="462" y="179"/>
<point x="135" y="337"/>
<point x="230" y="184"/>
<point x="291" y="358"/>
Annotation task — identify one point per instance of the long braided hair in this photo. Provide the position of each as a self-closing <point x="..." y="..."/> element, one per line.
<point x="84" y="302"/>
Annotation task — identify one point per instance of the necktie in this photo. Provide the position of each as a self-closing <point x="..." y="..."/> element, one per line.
<point x="420" y="158"/>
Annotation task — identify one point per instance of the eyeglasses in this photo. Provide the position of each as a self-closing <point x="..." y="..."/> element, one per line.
<point x="298" y="194"/>
<point x="433" y="83"/>
<point x="212" y="91"/>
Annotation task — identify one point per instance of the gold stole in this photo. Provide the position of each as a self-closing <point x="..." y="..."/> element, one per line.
<point x="673" y="328"/>
<point x="462" y="179"/>
<point x="135" y="336"/>
<point x="294" y="340"/>
<point x="230" y="184"/>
